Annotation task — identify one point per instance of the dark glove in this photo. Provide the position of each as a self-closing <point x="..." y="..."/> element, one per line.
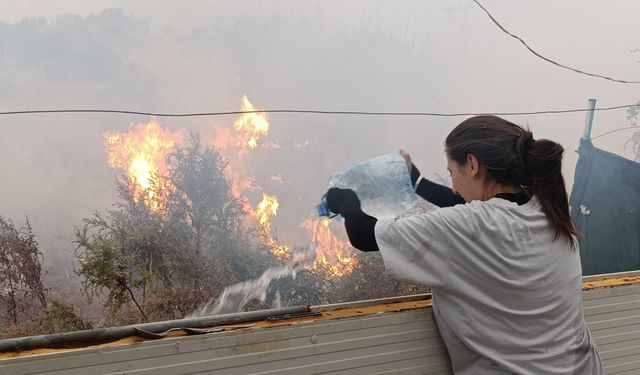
<point x="343" y="201"/>
<point x="360" y="226"/>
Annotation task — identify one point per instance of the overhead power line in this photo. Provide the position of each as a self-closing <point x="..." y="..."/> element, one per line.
<point x="615" y="131"/>
<point x="313" y="111"/>
<point x="546" y="58"/>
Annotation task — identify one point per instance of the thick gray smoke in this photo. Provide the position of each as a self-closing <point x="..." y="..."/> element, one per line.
<point x="439" y="56"/>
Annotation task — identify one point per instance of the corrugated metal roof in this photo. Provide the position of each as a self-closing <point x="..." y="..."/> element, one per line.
<point x="612" y="310"/>
<point x="393" y="336"/>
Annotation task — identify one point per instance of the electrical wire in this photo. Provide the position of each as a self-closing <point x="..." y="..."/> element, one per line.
<point x="545" y="58"/>
<point x="313" y="111"/>
<point x="361" y="113"/>
<point x="615" y="131"/>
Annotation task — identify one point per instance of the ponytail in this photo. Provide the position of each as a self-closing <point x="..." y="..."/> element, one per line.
<point x="512" y="157"/>
<point x="542" y="161"/>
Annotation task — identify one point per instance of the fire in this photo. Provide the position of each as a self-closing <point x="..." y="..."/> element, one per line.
<point x="333" y="255"/>
<point x="264" y="211"/>
<point x="141" y="152"/>
<point x="251" y="126"/>
<point x="262" y="214"/>
<point x="266" y="208"/>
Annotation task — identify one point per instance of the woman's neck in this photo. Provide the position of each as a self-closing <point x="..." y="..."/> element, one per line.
<point x="494" y="188"/>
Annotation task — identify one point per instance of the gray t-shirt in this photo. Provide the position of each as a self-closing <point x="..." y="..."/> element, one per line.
<point x="507" y="295"/>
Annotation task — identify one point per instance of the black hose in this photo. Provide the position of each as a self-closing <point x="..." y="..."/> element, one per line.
<point x="115" y="333"/>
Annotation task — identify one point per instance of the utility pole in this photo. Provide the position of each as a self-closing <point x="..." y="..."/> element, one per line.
<point x="588" y="123"/>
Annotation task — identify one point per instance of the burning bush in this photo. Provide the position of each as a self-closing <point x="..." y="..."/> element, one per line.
<point x="193" y="240"/>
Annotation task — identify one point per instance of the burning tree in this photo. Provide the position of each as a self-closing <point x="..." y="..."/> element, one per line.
<point x="20" y="271"/>
<point x="141" y="153"/>
<point x="167" y="257"/>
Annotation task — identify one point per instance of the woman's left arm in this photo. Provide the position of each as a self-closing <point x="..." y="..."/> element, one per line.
<point x="414" y="249"/>
<point x="360" y="226"/>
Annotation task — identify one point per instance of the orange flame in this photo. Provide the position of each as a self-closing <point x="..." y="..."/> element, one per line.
<point x="333" y="255"/>
<point x="141" y="152"/>
<point x="264" y="211"/>
<point x="251" y="126"/>
<point x="266" y="208"/>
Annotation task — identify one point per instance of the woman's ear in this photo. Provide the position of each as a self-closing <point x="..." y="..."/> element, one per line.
<point x="472" y="166"/>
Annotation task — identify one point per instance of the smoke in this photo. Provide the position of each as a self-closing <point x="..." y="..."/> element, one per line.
<point x="429" y="56"/>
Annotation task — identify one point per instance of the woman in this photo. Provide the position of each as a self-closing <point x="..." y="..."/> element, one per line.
<point x="501" y="257"/>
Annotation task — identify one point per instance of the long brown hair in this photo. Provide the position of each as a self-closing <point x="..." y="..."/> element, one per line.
<point x="512" y="157"/>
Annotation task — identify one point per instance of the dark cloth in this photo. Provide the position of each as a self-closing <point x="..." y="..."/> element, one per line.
<point x="605" y="205"/>
<point x="520" y="198"/>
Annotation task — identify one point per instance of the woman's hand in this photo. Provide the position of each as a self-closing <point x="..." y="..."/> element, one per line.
<point x="414" y="173"/>
<point x="343" y="201"/>
<point x="407" y="159"/>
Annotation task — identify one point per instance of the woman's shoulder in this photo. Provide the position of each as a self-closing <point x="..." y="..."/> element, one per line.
<point x="479" y="212"/>
<point x="473" y="208"/>
<point x="491" y="205"/>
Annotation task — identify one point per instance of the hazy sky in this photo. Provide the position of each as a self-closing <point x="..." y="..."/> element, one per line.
<point x="177" y="56"/>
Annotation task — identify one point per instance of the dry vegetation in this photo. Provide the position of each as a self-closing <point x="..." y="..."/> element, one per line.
<point x="142" y="264"/>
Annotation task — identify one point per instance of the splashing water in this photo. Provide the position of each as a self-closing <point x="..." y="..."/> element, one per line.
<point x="234" y="298"/>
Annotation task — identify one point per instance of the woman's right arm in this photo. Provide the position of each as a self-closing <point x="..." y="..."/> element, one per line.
<point x="440" y="195"/>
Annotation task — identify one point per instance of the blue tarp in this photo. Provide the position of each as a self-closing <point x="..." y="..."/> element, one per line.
<point x="605" y="205"/>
